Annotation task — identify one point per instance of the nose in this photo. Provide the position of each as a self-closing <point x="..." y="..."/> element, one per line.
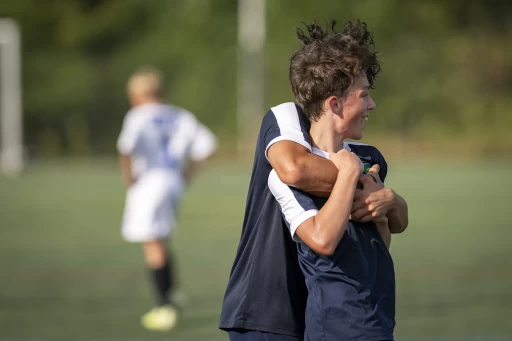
<point x="372" y="104"/>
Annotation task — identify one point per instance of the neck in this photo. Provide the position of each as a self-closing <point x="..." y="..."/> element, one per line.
<point x="138" y="101"/>
<point x="323" y="136"/>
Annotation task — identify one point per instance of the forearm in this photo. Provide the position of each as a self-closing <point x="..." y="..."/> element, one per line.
<point x="190" y="171"/>
<point x="125" y="164"/>
<point x="317" y="175"/>
<point x="385" y="233"/>
<point x="331" y="221"/>
<point x="398" y="216"/>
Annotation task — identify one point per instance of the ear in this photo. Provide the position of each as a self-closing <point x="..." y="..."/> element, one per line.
<point x="335" y="104"/>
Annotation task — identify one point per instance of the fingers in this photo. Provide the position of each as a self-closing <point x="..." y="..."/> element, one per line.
<point x="357" y="205"/>
<point x="359" y="194"/>
<point x="366" y="219"/>
<point x="375" y="168"/>
<point x="370" y="179"/>
<point x="366" y="180"/>
<point x="360" y="213"/>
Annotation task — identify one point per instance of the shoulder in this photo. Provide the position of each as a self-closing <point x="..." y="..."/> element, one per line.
<point x="134" y="117"/>
<point x="288" y="109"/>
<point x="286" y="114"/>
<point x="286" y="118"/>
<point x="363" y="149"/>
<point x="184" y="115"/>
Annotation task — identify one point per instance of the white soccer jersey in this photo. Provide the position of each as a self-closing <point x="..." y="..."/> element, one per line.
<point x="161" y="139"/>
<point x="161" y="136"/>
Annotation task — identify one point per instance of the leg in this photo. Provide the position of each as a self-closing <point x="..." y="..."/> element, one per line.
<point x="160" y="264"/>
<point x="148" y="219"/>
<point x="165" y="315"/>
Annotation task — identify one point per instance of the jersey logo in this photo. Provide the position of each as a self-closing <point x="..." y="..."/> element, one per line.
<point x="366" y="167"/>
<point x="167" y="127"/>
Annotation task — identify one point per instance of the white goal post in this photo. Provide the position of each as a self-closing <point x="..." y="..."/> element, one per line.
<point x="11" y="125"/>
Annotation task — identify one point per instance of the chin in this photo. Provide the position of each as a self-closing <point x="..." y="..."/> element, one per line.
<point x="357" y="136"/>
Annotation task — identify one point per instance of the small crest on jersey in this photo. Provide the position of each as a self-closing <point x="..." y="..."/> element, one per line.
<point x="366" y="167"/>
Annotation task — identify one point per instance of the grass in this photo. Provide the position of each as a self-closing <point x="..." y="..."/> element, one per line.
<point x="66" y="273"/>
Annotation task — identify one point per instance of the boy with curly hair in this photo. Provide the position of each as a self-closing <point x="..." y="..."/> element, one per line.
<point x="266" y="296"/>
<point x="348" y="269"/>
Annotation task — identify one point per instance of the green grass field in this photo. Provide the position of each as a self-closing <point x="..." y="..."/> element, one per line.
<point x="67" y="275"/>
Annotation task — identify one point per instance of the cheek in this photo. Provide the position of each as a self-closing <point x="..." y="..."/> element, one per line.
<point x="358" y="107"/>
<point x="355" y="116"/>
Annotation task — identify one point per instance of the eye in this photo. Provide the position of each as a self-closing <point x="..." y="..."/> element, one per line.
<point x="365" y="94"/>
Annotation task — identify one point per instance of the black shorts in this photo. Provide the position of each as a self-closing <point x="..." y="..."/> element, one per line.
<point x="254" y="335"/>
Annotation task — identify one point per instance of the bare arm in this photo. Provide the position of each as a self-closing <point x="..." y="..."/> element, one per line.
<point x="323" y="232"/>
<point x="383" y="229"/>
<point x="195" y="165"/>
<point x="398" y="216"/>
<point x="297" y="167"/>
<point x="191" y="170"/>
<point x="125" y="164"/>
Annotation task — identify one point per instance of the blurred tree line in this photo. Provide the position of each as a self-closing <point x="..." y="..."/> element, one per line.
<point x="447" y="71"/>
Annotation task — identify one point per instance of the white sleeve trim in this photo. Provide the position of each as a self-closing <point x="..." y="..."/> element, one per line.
<point x="293" y="211"/>
<point x="288" y="122"/>
<point x="300" y="140"/>
<point x="299" y="220"/>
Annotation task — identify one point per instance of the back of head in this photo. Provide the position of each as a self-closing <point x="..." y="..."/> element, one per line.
<point x="328" y="62"/>
<point x="145" y="85"/>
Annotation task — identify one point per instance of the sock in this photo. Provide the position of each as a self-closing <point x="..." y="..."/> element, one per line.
<point x="163" y="283"/>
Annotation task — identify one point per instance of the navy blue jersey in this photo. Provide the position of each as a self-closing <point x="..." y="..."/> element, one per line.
<point x="352" y="292"/>
<point x="266" y="289"/>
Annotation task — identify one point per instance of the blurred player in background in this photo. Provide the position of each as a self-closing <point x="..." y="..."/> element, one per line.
<point x="160" y="147"/>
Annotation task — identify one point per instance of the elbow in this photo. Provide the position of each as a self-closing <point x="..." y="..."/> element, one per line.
<point x="290" y="173"/>
<point x="325" y="250"/>
<point x="405" y="223"/>
<point x="324" y="240"/>
<point x="324" y="247"/>
<point x="399" y="227"/>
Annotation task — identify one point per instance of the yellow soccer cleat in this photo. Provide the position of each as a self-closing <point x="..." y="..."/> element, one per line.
<point x="160" y="319"/>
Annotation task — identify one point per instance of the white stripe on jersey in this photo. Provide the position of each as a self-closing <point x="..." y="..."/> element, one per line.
<point x="294" y="212"/>
<point x="296" y="206"/>
<point x="287" y="118"/>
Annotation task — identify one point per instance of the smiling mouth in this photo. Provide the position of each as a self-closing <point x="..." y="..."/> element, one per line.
<point x="364" y="118"/>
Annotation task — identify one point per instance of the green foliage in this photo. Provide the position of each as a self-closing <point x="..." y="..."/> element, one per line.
<point x="446" y="70"/>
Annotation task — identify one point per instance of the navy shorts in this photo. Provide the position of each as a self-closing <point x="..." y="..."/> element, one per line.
<point x="254" y="335"/>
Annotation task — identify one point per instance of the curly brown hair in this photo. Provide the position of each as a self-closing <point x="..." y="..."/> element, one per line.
<point x="328" y="63"/>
